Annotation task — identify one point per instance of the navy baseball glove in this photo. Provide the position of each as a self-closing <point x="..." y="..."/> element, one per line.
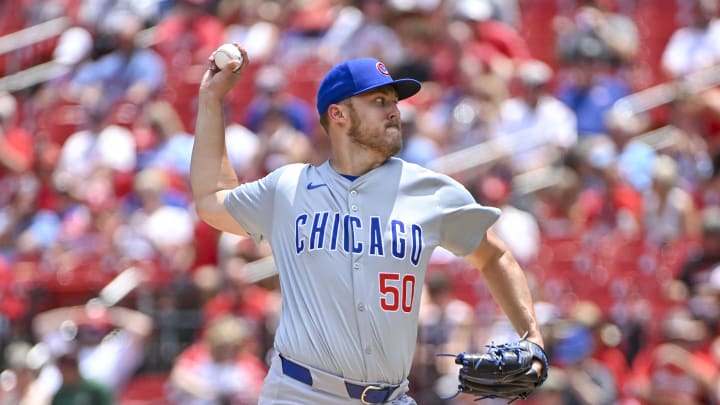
<point x="504" y="371"/>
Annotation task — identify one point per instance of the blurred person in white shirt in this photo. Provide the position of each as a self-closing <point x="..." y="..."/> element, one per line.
<point x="695" y="46"/>
<point x="110" y="342"/>
<point x="158" y="225"/>
<point x="535" y="128"/>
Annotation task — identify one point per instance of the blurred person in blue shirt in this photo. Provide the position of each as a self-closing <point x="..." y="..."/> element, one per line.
<point x="591" y="89"/>
<point x="128" y="73"/>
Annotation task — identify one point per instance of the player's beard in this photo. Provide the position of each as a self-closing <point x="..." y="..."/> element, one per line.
<point x="373" y="139"/>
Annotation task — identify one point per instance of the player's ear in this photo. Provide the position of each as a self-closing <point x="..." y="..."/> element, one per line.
<point x="335" y="112"/>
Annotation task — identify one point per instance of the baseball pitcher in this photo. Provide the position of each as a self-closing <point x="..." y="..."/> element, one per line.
<point x="351" y="239"/>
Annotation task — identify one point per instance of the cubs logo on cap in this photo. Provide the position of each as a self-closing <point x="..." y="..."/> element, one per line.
<point x="357" y="76"/>
<point x="382" y="69"/>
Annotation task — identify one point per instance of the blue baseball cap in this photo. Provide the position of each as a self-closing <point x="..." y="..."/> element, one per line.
<point x="357" y="76"/>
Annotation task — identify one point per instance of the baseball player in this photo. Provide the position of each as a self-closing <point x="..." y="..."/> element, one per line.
<point x="351" y="239"/>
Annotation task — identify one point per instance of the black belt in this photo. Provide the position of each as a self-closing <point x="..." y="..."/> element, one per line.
<point x="367" y="394"/>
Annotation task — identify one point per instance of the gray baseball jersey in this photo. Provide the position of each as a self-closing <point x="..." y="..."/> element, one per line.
<point x="351" y="257"/>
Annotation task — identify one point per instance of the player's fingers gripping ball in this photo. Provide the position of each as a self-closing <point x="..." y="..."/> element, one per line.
<point x="226" y="53"/>
<point x="504" y="371"/>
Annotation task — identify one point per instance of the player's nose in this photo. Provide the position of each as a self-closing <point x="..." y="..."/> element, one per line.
<point x="394" y="114"/>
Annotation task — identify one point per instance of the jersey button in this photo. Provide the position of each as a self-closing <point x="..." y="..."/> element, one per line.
<point x="361" y="307"/>
<point x="368" y="350"/>
<point x="354" y="207"/>
<point x="356" y="266"/>
<point x="353" y="193"/>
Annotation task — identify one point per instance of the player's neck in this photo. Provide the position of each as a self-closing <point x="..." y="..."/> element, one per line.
<point x="355" y="166"/>
<point x="353" y="159"/>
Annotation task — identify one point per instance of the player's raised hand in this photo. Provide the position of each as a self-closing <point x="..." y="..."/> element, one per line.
<point x="218" y="82"/>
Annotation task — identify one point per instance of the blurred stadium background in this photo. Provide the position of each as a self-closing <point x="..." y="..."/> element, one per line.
<point x="593" y="124"/>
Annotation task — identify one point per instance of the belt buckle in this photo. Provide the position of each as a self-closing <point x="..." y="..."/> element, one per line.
<point x="365" y="392"/>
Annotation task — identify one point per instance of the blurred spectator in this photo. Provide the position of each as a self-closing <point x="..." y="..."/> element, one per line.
<point x="590" y="89"/>
<point x="710" y="193"/>
<point x="446" y="326"/>
<point x="472" y="112"/>
<point x="678" y="370"/>
<point x="75" y="46"/>
<point x="536" y="128"/>
<point x="166" y="144"/>
<point x="231" y="246"/>
<point x="669" y="211"/>
<point x="218" y="369"/>
<point x="692" y="147"/>
<point x="692" y="115"/>
<point x="18" y="381"/>
<point x="253" y="24"/>
<point x="418" y="40"/>
<point x="690" y="136"/>
<point x="614" y="37"/>
<point x="99" y="151"/>
<point x="75" y="388"/>
<point x="475" y="36"/>
<point x="280" y="143"/>
<point x="608" y="201"/>
<point x="516" y="227"/>
<point x="26" y="230"/>
<point x="418" y="145"/>
<point x="187" y="34"/>
<point x="129" y="73"/>
<point x="557" y="209"/>
<point x="238" y="295"/>
<point x="713" y="288"/>
<point x="109" y="342"/>
<point x="693" y="48"/>
<point x="305" y="28"/>
<point x="552" y="391"/>
<point x="635" y="158"/>
<point x="151" y="211"/>
<point x="242" y="147"/>
<point x="696" y="46"/>
<point x="588" y="380"/>
<point x="606" y="338"/>
<point x="370" y="35"/>
<point x="18" y="185"/>
<point x="503" y="38"/>
<point x="16" y="144"/>
<point x="270" y="95"/>
<point x="110" y="14"/>
<point x="696" y="272"/>
<point x="506" y="11"/>
<point x="84" y="232"/>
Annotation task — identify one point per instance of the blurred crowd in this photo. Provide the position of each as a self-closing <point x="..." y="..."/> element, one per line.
<point x="593" y="124"/>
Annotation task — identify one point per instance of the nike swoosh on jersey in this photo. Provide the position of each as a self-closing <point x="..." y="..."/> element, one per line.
<point x="312" y="186"/>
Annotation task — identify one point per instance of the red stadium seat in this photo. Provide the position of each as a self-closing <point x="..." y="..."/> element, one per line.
<point x="537" y="30"/>
<point x="60" y="120"/>
<point x="181" y="92"/>
<point x="77" y="284"/>
<point x="656" y="21"/>
<point x="144" y="389"/>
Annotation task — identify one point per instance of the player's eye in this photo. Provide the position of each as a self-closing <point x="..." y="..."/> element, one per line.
<point x="383" y="101"/>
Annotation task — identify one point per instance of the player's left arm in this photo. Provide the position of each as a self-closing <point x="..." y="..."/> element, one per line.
<point x="508" y="284"/>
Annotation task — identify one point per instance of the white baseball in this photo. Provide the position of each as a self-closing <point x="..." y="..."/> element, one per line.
<point x="224" y="54"/>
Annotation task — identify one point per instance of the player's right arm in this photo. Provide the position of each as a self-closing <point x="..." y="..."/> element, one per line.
<point x="211" y="175"/>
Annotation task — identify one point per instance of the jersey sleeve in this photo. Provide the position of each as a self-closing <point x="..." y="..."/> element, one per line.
<point x="252" y="205"/>
<point x="464" y="221"/>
